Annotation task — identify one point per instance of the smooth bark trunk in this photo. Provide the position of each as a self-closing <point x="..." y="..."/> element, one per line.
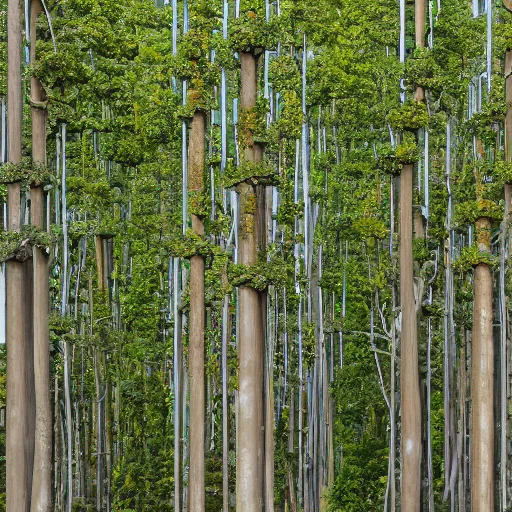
<point x="482" y="381"/>
<point x="249" y="494"/>
<point x="19" y="421"/>
<point x="42" y="471"/>
<point x="197" y="323"/>
<point x="410" y="389"/>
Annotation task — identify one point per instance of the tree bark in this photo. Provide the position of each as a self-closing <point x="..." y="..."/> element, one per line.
<point x="410" y="389"/>
<point x="249" y="495"/>
<point x="42" y="472"/>
<point x="19" y="421"/>
<point x="482" y="381"/>
<point x="197" y="322"/>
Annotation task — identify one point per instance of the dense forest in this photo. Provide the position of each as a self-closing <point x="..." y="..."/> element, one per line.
<point x="255" y="255"/>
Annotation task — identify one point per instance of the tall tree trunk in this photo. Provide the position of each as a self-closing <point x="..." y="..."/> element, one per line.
<point x="410" y="388"/>
<point x="42" y="472"/>
<point x="19" y="433"/>
<point x="482" y="380"/>
<point x="197" y="319"/>
<point x="507" y="350"/>
<point x="410" y="382"/>
<point x="250" y="377"/>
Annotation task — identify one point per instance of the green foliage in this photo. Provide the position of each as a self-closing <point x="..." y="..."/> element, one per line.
<point x="411" y="116"/>
<point x="250" y="32"/>
<point x="471" y="257"/>
<point x="18" y="245"/>
<point x="250" y="172"/>
<point x="470" y="211"/>
<point x="26" y="172"/>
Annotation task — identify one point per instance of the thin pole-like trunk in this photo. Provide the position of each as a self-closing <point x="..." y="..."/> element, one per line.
<point x="177" y="385"/>
<point x="410" y="388"/>
<point x="19" y="437"/>
<point x="226" y="324"/>
<point x="196" y="325"/>
<point x="269" y="404"/>
<point x="250" y="416"/>
<point x="66" y="347"/>
<point x="409" y="375"/>
<point x="42" y="472"/>
<point x="482" y="381"/>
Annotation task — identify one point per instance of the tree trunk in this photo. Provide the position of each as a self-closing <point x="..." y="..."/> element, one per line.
<point x="410" y="389"/>
<point x="196" y="330"/>
<point x="42" y="472"/>
<point x="482" y="381"/>
<point x="249" y="494"/>
<point x="19" y="421"/>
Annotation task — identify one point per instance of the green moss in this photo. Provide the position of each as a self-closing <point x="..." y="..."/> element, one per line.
<point x="199" y="204"/>
<point x="252" y="124"/>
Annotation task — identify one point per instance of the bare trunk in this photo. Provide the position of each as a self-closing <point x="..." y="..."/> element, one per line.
<point x="42" y="472"/>
<point x="19" y="435"/>
<point x="482" y="381"/>
<point x="249" y="494"/>
<point x="410" y="390"/>
<point x="41" y="486"/>
<point x="197" y="318"/>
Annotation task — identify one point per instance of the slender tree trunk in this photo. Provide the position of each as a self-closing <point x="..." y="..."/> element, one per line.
<point x="410" y="389"/>
<point x="42" y="472"/>
<point x="409" y="375"/>
<point x="507" y="349"/>
<point x="196" y="329"/>
<point x="19" y="434"/>
<point x="250" y="450"/>
<point x="269" y="404"/>
<point x="482" y="381"/>
<point x="226" y="330"/>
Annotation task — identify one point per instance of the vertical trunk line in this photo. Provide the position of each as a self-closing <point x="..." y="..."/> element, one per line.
<point x="197" y="324"/>
<point x="249" y="494"/>
<point x="410" y="389"/>
<point x="482" y="380"/>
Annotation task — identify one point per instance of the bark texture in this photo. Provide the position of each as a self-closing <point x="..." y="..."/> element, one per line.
<point x="19" y="421"/>
<point x="249" y="495"/>
<point x="410" y="389"/>
<point x="197" y="320"/>
<point x="42" y="472"/>
<point x="482" y="381"/>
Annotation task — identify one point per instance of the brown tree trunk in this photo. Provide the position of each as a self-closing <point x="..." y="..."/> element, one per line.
<point x="410" y="388"/>
<point x="42" y="472"/>
<point x="482" y="381"/>
<point x="19" y="421"/>
<point x="197" y="322"/>
<point x="249" y="495"/>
